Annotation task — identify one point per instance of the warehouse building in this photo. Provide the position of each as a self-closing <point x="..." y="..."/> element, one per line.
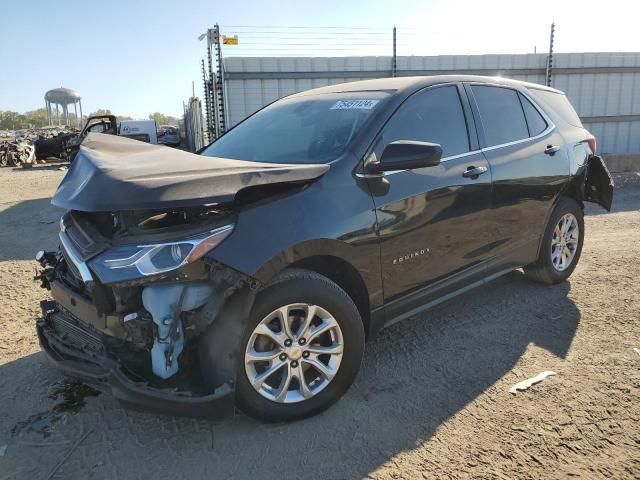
<point x="603" y="87"/>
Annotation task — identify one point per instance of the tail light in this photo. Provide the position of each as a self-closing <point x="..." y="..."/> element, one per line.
<point x="591" y="140"/>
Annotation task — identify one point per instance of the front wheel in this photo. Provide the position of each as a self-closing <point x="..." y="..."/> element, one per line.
<point x="561" y="244"/>
<point x="302" y="348"/>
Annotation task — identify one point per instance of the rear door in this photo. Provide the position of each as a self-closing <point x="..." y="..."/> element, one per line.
<point x="529" y="166"/>
<point x="432" y="222"/>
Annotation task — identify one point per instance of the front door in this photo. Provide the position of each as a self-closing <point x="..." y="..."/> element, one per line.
<point x="432" y="221"/>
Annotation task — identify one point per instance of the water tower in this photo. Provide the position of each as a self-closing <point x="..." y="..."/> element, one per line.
<point x="61" y="98"/>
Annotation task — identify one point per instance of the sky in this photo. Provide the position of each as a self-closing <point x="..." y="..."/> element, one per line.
<point x="136" y="57"/>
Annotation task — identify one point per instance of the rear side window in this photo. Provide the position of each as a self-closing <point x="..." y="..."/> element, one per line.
<point x="535" y="121"/>
<point x="560" y="104"/>
<point x="434" y="116"/>
<point x="501" y="113"/>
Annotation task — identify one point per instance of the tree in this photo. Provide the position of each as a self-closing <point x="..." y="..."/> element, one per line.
<point x="38" y="118"/>
<point x="162" y="119"/>
<point x="100" y="111"/>
<point x="12" y="120"/>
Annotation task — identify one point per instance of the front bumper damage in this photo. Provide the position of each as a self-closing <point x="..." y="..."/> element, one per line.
<point x="110" y="376"/>
<point x="97" y="345"/>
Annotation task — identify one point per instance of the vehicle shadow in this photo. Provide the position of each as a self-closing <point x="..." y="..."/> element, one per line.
<point x="36" y="220"/>
<point x="416" y="375"/>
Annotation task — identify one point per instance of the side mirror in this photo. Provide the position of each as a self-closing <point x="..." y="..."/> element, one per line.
<point x="408" y="155"/>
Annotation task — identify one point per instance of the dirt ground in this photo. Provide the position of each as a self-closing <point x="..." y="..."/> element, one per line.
<point x="432" y="400"/>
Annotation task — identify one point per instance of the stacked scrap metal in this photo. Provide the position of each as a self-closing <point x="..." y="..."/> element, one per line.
<point x="26" y="146"/>
<point x="169" y="135"/>
<point x="16" y="153"/>
<point x="54" y="146"/>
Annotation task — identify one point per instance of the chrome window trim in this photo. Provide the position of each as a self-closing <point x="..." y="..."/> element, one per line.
<point x="72" y="254"/>
<point x="393" y="172"/>
<point x="445" y="159"/>
<point x="417" y="92"/>
<point x="550" y="125"/>
<point x="460" y="155"/>
<point x="550" y="128"/>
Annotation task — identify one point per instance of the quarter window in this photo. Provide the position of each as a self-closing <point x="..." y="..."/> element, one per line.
<point x="501" y="113"/>
<point x="535" y="122"/>
<point x="434" y="116"/>
<point x="560" y="105"/>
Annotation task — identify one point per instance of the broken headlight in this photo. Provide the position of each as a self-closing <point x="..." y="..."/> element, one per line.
<point x="129" y="262"/>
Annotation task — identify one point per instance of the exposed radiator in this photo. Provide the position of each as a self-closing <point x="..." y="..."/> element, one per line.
<point x="68" y="330"/>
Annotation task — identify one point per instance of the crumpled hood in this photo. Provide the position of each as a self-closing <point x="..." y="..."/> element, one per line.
<point x="112" y="173"/>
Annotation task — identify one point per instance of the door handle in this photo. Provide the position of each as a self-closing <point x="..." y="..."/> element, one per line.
<point x="474" y="172"/>
<point x="551" y="149"/>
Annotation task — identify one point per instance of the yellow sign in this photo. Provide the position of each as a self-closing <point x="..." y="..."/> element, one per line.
<point x="230" y="40"/>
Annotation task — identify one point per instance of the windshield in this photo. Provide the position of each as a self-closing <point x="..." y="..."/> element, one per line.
<point x="313" y="129"/>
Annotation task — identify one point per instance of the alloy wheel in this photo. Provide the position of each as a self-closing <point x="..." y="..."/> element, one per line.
<point x="294" y="353"/>
<point x="564" y="242"/>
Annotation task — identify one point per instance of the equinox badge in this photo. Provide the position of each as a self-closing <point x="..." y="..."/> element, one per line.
<point x="410" y="256"/>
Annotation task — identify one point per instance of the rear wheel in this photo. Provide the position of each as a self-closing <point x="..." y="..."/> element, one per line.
<point x="302" y="349"/>
<point x="561" y="244"/>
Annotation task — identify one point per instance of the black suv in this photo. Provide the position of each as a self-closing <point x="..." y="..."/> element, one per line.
<point x="251" y="274"/>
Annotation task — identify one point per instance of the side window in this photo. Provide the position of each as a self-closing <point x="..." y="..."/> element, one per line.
<point x="501" y="113"/>
<point x="435" y="116"/>
<point x="560" y="105"/>
<point x="535" y="122"/>
<point x="97" y="128"/>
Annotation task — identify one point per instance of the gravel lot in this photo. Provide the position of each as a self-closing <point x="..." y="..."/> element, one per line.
<point x="432" y="400"/>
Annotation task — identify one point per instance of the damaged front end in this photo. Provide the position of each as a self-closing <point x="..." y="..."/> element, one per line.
<point x="140" y="307"/>
<point x="141" y="311"/>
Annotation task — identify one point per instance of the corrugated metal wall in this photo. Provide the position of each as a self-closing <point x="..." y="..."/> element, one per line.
<point x="603" y="87"/>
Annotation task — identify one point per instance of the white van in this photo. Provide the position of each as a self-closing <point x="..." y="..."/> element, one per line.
<point x="145" y="130"/>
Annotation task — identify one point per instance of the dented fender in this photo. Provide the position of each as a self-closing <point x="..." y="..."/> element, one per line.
<point x="220" y="345"/>
<point x="224" y="323"/>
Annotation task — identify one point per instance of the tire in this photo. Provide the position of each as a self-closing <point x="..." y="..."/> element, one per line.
<point x="303" y="288"/>
<point x="544" y="269"/>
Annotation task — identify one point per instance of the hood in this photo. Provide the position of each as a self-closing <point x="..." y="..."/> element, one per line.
<point x="112" y="173"/>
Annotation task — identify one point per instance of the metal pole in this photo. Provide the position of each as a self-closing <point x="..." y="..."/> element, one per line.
<point x="550" y="57"/>
<point x="393" y="59"/>
<point x="213" y="130"/>
<point x="220" y="96"/>
<point x="207" y="109"/>
<point x="81" y="119"/>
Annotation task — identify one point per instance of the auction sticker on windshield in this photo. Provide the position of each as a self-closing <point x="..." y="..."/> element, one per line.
<point x="354" y="104"/>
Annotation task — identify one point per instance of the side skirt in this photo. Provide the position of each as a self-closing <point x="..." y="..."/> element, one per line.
<point x="379" y="320"/>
